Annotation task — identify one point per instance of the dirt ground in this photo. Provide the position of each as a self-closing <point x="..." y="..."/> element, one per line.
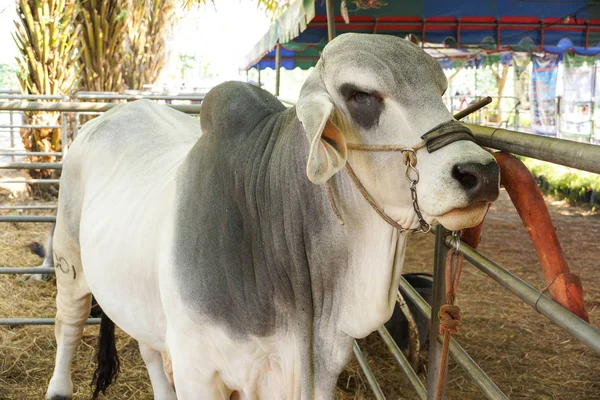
<point x="526" y="355"/>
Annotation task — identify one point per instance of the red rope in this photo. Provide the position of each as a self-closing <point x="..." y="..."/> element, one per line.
<point x="449" y="314"/>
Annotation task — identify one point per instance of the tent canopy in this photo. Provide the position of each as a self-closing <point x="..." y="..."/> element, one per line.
<point x="465" y="26"/>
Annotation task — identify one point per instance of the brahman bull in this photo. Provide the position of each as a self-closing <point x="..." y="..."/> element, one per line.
<point x="242" y="252"/>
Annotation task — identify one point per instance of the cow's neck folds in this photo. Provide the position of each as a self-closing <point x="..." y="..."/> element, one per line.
<point x="354" y="269"/>
<point x="375" y="255"/>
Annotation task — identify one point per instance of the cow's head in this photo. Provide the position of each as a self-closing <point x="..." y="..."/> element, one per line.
<point x="384" y="90"/>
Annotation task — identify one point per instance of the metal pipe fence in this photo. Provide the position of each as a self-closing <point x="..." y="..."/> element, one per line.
<point x="568" y="153"/>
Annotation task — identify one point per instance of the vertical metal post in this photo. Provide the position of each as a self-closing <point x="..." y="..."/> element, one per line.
<point x="439" y="298"/>
<point x="558" y="116"/>
<point x="75" y="125"/>
<point x="277" y="68"/>
<point x="330" y="20"/>
<point x="12" y="135"/>
<point x="64" y="141"/>
<point x="259" y="85"/>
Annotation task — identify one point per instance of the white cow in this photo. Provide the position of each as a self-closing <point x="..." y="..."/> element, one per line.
<point x="215" y="245"/>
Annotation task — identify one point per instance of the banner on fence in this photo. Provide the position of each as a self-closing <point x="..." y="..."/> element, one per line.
<point x="521" y="62"/>
<point x="576" y="102"/>
<point x="543" y="94"/>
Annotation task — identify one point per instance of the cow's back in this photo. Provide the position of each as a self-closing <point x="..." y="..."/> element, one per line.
<point x="128" y="151"/>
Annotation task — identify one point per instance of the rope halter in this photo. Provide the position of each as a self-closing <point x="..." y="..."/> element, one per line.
<point x="434" y="139"/>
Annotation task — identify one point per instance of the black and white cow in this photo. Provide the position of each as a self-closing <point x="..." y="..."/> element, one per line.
<point x="217" y="248"/>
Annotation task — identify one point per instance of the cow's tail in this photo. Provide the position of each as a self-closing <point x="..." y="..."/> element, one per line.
<point x="107" y="367"/>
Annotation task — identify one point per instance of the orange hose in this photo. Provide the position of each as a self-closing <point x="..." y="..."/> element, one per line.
<point x="564" y="287"/>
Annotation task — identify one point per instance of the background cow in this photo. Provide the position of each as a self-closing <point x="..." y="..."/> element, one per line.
<point x="218" y="248"/>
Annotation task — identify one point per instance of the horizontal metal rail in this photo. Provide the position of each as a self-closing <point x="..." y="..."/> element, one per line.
<point x="481" y="379"/>
<point x="27" y="218"/>
<point x="32" y="165"/>
<point x="559" y="151"/>
<point x="32" y="97"/>
<point x="31" y="126"/>
<point x="75" y="106"/>
<point x="584" y="332"/>
<point x="25" y="270"/>
<point x="40" y="321"/>
<point x="31" y="181"/>
<point x="364" y="365"/>
<point x="31" y="153"/>
<point x="92" y="96"/>
<point x="403" y="362"/>
<point x="28" y="207"/>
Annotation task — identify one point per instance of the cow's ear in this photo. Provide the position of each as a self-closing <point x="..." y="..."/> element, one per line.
<point x="315" y="110"/>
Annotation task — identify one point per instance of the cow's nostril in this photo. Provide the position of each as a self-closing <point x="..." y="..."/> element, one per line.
<point x="479" y="181"/>
<point x="465" y="176"/>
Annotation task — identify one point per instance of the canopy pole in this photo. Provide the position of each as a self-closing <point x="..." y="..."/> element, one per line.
<point x="259" y="85"/>
<point x="277" y="68"/>
<point x="330" y="20"/>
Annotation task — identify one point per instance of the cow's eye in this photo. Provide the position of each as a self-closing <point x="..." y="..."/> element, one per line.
<point x="361" y="97"/>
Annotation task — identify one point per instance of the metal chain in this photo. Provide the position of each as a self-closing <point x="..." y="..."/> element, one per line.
<point x="412" y="170"/>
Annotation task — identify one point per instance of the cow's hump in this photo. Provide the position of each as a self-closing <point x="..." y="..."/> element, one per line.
<point x="234" y="108"/>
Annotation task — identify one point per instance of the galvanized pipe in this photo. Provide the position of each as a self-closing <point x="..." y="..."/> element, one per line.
<point x="277" y="68"/>
<point x="403" y="363"/>
<point x="12" y="134"/>
<point x="438" y="299"/>
<point x="31" y="181"/>
<point x="40" y="321"/>
<point x="364" y="365"/>
<point x="25" y="270"/>
<point x="584" y="332"/>
<point x="481" y="379"/>
<point x="93" y="96"/>
<point x="28" y="207"/>
<point x="27" y="218"/>
<point x="32" y="165"/>
<point x="29" y="126"/>
<point x="33" y="97"/>
<point x="31" y="153"/>
<point x="74" y="106"/>
<point x="564" y="152"/>
<point x="330" y="20"/>
<point x="63" y="136"/>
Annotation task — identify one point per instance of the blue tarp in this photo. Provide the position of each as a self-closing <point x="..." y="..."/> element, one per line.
<point x="472" y="23"/>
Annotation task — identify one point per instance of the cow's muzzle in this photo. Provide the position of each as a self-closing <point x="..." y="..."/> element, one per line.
<point x="479" y="181"/>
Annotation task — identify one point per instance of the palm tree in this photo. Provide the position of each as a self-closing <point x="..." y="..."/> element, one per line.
<point x="104" y="25"/>
<point x="145" y="49"/>
<point x="47" y="35"/>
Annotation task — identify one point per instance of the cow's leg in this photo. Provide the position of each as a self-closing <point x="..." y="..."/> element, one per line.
<point x="73" y="303"/>
<point x="154" y="363"/>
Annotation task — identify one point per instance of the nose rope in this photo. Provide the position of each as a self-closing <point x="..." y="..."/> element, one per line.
<point x="409" y="158"/>
<point x="434" y="139"/>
